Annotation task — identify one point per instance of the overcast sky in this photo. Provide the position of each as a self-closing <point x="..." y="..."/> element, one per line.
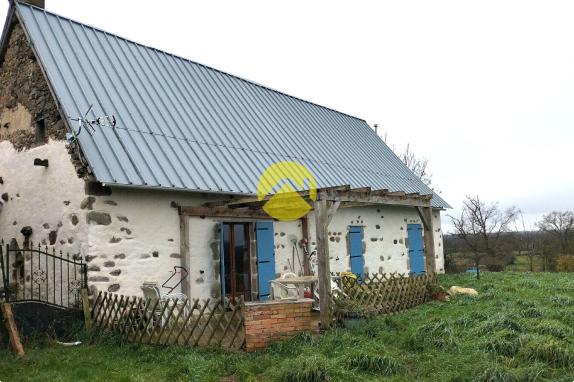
<point x="484" y="90"/>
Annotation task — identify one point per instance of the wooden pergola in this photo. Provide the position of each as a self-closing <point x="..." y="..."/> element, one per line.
<point x="328" y="201"/>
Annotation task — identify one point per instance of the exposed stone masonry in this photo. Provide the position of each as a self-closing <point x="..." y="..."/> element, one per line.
<point x="25" y="92"/>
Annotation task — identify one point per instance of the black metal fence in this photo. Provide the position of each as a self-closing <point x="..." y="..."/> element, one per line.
<point x="36" y="273"/>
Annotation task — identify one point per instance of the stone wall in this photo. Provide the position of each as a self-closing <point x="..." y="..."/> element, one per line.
<point x="25" y="96"/>
<point x="273" y="321"/>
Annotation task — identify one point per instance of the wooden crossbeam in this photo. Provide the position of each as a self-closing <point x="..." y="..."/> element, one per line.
<point x="223" y="212"/>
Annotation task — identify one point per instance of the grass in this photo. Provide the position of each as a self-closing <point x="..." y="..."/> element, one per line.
<point x="519" y="328"/>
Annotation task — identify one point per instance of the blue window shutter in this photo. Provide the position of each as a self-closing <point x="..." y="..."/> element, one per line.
<point x="265" y="257"/>
<point x="416" y="248"/>
<point x="222" y="261"/>
<point x="356" y="250"/>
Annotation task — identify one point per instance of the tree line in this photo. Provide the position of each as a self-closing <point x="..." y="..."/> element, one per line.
<point x="493" y="237"/>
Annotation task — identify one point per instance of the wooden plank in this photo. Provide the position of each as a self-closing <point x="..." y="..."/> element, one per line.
<point x="429" y="242"/>
<point x="176" y="320"/>
<point x="423" y="216"/>
<point x="224" y="212"/>
<point x="86" y="308"/>
<point x="323" y="262"/>
<point x="12" y="330"/>
<point x="184" y="253"/>
<point x="332" y="211"/>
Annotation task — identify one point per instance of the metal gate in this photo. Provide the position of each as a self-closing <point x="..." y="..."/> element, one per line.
<point x="42" y="275"/>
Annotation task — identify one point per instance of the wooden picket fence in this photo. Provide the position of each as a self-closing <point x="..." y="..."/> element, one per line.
<point x="379" y="293"/>
<point x="185" y="322"/>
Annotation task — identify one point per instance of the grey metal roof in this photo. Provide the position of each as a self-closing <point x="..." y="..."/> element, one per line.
<point x="183" y="125"/>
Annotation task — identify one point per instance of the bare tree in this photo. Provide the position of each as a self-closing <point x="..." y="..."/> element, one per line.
<point x="481" y="227"/>
<point x="526" y="243"/>
<point x="417" y="165"/>
<point x="559" y="224"/>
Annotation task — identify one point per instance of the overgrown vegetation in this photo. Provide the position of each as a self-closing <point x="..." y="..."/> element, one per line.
<point x="520" y="328"/>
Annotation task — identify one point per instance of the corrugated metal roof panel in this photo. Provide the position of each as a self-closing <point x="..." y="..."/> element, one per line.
<point x="184" y="125"/>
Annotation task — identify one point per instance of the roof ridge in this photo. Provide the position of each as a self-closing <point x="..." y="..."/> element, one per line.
<point x="23" y="4"/>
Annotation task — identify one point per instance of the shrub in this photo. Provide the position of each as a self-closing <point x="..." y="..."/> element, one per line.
<point x="566" y="263"/>
<point x="377" y="363"/>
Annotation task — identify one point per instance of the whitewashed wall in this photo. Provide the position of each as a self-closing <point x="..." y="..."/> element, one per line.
<point x="132" y="235"/>
<point x="47" y="199"/>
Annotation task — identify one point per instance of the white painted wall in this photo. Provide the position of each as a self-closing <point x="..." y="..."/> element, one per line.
<point x="42" y="198"/>
<point x="142" y="243"/>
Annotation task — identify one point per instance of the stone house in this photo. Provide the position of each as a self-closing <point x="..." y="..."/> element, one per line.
<point x="119" y="152"/>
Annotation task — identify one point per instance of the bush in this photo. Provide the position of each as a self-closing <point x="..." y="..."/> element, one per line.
<point x="566" y="263"/>
<point x="495" y="267"/>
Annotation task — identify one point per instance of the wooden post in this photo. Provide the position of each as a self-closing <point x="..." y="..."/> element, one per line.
<point x="324" y="271"/>
<point x="429" y="241"/>
<point x="86" y="307"/>
<point x="305" y="234"/>
<point x="184" y="250"/>
<point x="12" y="330"/>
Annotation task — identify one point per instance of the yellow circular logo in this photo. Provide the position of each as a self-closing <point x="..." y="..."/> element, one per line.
<point x="282" y="181"/>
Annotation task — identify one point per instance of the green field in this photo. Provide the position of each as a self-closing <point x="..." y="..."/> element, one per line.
<point x="520" y="328"/>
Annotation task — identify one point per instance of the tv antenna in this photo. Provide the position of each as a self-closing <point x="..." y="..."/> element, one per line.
<point x="88" y="124"/>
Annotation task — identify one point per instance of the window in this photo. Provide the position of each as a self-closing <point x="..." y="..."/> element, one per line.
<point x="236" y="260"/>
<point x="40" y="131"/>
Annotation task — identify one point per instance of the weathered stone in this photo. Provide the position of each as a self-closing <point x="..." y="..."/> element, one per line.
<point x="88" y="203"/>
<point x="90" y="258"/>
<point x="114" y="288"/>
<point x="109" y="264"/>
<point x="26" y="231"/>
<point x="74" y="219"/>
<point x="175" y="255"/>
<point x="60" y="224"/>
<point x="155" y="254"/>
<point x="120" y="256"/>
<point x="110" y="202"/>
<point x="46" y="225"/>
<point x="52" y="236"/>
<point x="116" y="272"/>
<point x="99" y="218"/>
<point x="114" y="240"/>
<point x="126" y="230"/>
<point x="99" y="278"/>
<point x="62" y="242"/>
<point x="123" y="218"/>
<point x="70" y="240"/>
<point x="93" y="268"/>
<point x="5" y="196"/>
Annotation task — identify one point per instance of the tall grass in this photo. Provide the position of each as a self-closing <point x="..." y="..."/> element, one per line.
<point x="520" y="328"/>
